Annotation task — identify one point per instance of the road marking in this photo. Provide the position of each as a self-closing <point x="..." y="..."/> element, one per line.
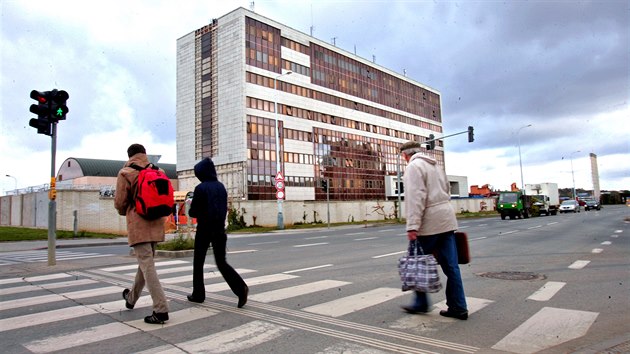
<point x="114" y="330"/>
<point x="552" y="223"/>
<point x="39" y="318"/>
<point x="579" y="264"/>
<point x="242" y="251"/>
<point x="35" y="279"/>
<point x="251" y="282"/>
<point x="366" y="238"/>
<point x="355" y="233"/>
<point x="389" y="254"/>
<point x="614" y="236"/>
<point x="547" y="291"/>
<point x="207" y="275"/>
<point x="606" y="243"/>
<point x="618" y="231"/>
<point x="311" y="244"/>
<point x="298" y="290"/>
<point x="28" y="288"/>
<point x="46" y="299"/>
<point x="241" y="338"/>
<point x="135" y="266"/>
<point x="549" y="327"/>
<point x="534" y="227"/>
<point x="305" y="269"/>
<point x="597" y="250"/>
<point x="355" y="302"/>
<point x="315" y="237"/>
<point x="478" y="238"/>
<point x="263" y="243"/>
<point x="508" y="232"/>
<point x="187" y="268"/>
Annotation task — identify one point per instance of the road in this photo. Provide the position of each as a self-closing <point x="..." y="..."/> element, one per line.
<point x="556" y="284"/>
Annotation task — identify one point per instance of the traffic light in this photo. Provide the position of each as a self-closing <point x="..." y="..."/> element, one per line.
<point x="325" y="184"/>
<point x="42" y="123"/>
<point x="58" y="107"/>
<point x="431" y="143"/>
<point x="471" y="134"/>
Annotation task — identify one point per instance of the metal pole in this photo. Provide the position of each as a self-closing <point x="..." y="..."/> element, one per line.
<point x="15" y="181"/>
<point x="52" y="205"/>
<point x="520" y="162"/>
<point x="328" y="181"/>
<point x="398" y="188"/>
<point x="280" y="225"/>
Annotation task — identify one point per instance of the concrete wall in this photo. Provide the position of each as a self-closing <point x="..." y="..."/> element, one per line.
<point x="97" y="214"/>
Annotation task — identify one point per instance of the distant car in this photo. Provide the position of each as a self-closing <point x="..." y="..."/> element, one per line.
<point x="570" y="206"/>
<point x="591" y="204"/>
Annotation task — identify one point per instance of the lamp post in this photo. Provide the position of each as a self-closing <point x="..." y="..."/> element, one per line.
<point x="572" y="175"/>
<point x="275" y="109"/>
<point x="520" y="162"/>
<point x="14" y="180"/>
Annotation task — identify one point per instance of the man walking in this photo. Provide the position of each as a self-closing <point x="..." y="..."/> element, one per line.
<point x="142" y="235"/>
<point x="209" y="206"/>
<point x="431" y="220"/>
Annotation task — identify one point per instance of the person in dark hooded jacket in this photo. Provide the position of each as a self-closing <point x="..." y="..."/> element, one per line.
<point x="209" y="206"/>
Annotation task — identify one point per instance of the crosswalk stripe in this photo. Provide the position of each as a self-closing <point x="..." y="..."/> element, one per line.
<point x="135" y="265"/>
<point x="114" y="330"/>
<point x="189" y="277"/>
<point x="547" y="291"/>
<point x="39" y="318"/>
<point x="355" y="302"/>
<point x="235" y="339"/>
<point x="46" y="299"/>
<point x="298" y="290"/>
<point x="35" y="279"/>
<point x="533" y="335"/>
<point x="28" y="288"/>
<point x="579" y="264"/>
<point x="188" y="268"/>
<point x="251" y="282"/>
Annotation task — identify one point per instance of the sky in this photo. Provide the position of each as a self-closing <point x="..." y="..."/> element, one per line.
<point x="548" y="78"/>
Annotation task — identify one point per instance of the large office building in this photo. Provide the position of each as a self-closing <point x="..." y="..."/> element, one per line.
<point x="340" y="118"/>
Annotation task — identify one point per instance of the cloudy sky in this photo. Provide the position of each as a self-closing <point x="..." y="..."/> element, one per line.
<point x="561" y="66"/>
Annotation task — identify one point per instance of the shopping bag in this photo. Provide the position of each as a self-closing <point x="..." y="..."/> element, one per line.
<point x="419" y="271"/>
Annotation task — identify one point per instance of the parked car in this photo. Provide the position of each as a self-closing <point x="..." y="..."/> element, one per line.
<point x="569" y="206"/>
<point x="591" y="204"/>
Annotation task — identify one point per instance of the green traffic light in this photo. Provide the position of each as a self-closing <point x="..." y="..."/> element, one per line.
<point x="60" y="112"/>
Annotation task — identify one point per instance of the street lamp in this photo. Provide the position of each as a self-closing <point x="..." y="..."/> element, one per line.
<point x="572" y="175"/>
<point x="520" y="162"/>
<point x="14" y="180"/>
<point x="275" y="109"/>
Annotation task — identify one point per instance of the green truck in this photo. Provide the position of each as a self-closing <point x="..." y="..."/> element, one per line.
<point x="516" y="205"/>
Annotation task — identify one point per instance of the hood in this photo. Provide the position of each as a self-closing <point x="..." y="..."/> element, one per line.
<point x="426" y="158"/>
<point x="138" y="159"/>
<point x="205" y="170"/>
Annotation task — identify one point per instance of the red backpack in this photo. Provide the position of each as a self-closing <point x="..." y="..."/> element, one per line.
<point x="154" y="193"/>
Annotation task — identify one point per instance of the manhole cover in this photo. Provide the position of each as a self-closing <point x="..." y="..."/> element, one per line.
<point x="512" y="275"/>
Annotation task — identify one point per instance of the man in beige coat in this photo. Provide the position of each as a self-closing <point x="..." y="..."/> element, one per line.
<point x="431" y="221"/>
<point x="142" y="235"/>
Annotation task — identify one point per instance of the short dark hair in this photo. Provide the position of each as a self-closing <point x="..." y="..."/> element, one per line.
<point x="135" y="149"/>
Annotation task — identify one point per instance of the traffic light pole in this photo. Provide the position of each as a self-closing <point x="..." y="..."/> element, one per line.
<point x="52" y="204"/>
<point x="469" y="132"/>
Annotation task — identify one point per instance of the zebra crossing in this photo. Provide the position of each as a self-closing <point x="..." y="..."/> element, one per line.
<point x="42" y="255"/>
<point x="85" y="311"/>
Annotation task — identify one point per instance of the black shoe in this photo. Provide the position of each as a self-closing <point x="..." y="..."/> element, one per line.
<point x="414" y="310"/>
<point x="242" y="300"/>
<point x="126" y="297"/>
<point x="194" y="299"/>
<point x="459" y="315"/>
<point x="157" y="318"/>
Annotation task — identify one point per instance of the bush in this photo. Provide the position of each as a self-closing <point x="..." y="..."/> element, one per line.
<point x="181" y="242"/>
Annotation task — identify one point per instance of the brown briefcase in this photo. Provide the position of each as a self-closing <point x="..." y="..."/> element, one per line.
<point x="463" y="252"/>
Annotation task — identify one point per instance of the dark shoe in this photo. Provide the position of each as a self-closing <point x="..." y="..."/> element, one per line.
<point x="459" y="315"/>
<point x="242" y="300"/>
<point x="414" y="310"/>
<point x="194" y="299"/>
<point x="157" y="318"/>
<point x="126" y="297"/>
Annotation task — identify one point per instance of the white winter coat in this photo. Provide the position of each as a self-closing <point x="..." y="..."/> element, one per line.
<point x="427" y="194"/>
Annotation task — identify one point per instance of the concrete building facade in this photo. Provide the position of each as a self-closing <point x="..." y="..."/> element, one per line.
<point x="340" y="118"/>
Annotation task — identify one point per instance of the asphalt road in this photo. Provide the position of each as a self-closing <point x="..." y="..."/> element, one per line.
<point x="556" y="284"/>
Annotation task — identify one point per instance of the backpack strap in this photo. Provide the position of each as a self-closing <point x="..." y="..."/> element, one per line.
<point x="136" y="167"/>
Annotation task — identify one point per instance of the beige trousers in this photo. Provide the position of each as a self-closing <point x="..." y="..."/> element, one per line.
<point x="147" y="274"/>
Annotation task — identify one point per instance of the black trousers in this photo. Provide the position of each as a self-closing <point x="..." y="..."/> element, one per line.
<point x="219" y="241"/>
